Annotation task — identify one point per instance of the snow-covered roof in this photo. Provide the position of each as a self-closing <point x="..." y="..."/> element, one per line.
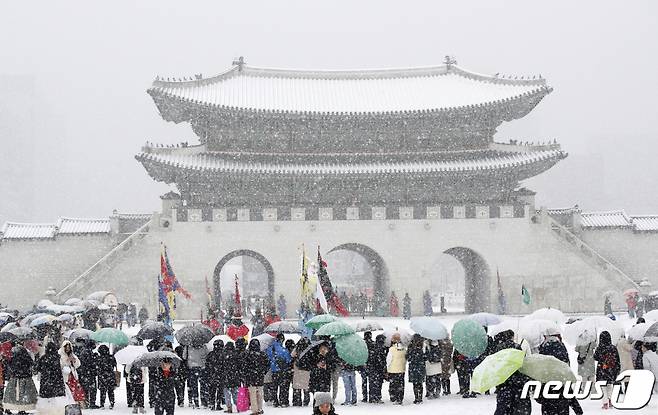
<point x="355" y="91"/>
<point x="213" y="162"/>
<point x="64" y="226"/>
<point x="611" y="219"/>
<point x="15" y="230"/>
<point x="81" y="226"/>
<point x="645" y="223"/>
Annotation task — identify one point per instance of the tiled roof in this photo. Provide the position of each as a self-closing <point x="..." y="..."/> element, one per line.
<point x="14" y="230"/>
<point x="363" y="91"/>
<point x="81" y="226"/>
<point x="645" y="223"/>
<point x="211" y="162"/>
<point x="612" y="219"/>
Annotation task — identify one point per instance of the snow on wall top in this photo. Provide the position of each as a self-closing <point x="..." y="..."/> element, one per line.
<point x="645" y="223"/>
<point x="612" y="219"/>
<point x="77" y="226"/>
<point x="64" y="226"/>
<point x="356" y="91"/>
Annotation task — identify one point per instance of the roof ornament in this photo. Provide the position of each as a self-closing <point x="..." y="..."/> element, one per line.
<point x="239" y="62"/>
<point x="449" y="61"/>
<point x="198" y="76"/>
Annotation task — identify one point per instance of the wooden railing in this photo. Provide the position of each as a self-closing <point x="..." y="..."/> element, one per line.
<point x="103" y="265"/>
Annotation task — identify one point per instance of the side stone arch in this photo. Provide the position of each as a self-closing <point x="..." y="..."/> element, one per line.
<point x="217" y="292"/>
<point x="477" y="286"/>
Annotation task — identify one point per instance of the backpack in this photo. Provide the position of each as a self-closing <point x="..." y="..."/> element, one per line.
<point x="609" y="361"/>
<point x="135" y="375"/>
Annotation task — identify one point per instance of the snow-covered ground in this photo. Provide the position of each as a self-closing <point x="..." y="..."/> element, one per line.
<point x="453" y="404"/>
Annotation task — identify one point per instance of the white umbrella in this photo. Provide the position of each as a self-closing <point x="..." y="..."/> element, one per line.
<point x="405" y="335"/>
<point x="595" y="325"/>
<point x="651" y="315"/>
<point x="486" y="319"/>
<point x="265" y="340"/>
<point x="550" y="314"/>
<point x="73" y="301"/>
<point x="535" y="330"/>
<point x="367" y="325"/>
<point x="128" y="354"/>
<point x="636" y="333"/>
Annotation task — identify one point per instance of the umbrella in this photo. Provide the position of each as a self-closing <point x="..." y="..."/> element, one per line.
<point x="320" y="320"/>
<point x="496" y="369"/>
<point x="283" y="327"/>
<point x="23" y="333"/>
<point x="26" y="321"/>
<point x="638" y="331"/>
<point x="513" y="324"/>
<point x="5" y="318"/>
<point x="129" y="353"/>
<point x="223" y="337"/>
<point x="585" y="338"/>
<point x="195" y="335"/>
<point x="651" y="315"/>
<point x="336" y="328"/>
<point x="405" y="336"/>
<point x="595" y="324"/>
<point x="111" y="336"/>
<point x="9" y="326"/>
<point x="76" y="334"/>
<point x="265" y="341"/>
<point x="103" y="307"/>
<point x="550" y="314"/>
<point x="154" y="330"/>
<point x="651" y="335"/>
<point x="631" y="292"/>
<point x="312" y="346"/>
<point x="154" y="359"/>
<point x="533" y="331"/>
<point x="5" y="336"/>
<point x="429" y="328"/>
<point x="545" y="368"/>
<point x="367" y="325"/>
<point x="352" y="349"/>
<point x="65" y="318"/>
<point x="486" y="319"/>
<point x="39" y="321"/>
<point x="469" y="338"/>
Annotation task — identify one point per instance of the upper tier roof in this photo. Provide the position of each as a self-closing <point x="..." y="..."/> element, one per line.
<point x="356" y="91"/>
<point x="64" y="226"/>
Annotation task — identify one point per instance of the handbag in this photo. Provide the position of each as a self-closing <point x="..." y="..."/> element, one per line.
<point x="243" y="399"/>
<point x="76" y="389"/>
<point x="117" y="378"/>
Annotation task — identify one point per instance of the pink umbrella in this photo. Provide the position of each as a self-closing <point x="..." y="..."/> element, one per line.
<point x="631" y="292"/>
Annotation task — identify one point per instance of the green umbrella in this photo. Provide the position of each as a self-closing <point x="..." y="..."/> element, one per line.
<point x="336" y="328"/>
<point x="320" y="320"/>
<point x="111" y="336"/>
<point x="545" y="368"/>
<point x="469" y="338"/>
<point x="352" y="349"/>
<point x="496" y="369"/>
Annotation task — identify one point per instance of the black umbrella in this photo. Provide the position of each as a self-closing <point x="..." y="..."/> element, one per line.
<point x="155" y="330"/>
<point x="196" y="335"/>
<point x="23" y="333"/>
<point x="7" y="337"/>
<point x="155" y="359"/>
<point x="303" y="359"/>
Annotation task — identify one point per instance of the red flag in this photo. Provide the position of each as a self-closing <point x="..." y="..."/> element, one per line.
<point x="237" y="293"/>
<point x="169" y="279"/>
<point x="327" y="289"/>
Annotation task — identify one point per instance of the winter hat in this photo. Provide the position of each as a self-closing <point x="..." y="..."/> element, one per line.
<point x="322" y="398"/>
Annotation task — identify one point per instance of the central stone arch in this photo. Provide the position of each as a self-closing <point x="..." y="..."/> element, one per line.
<point x="376" y="262"/>
<point x="217" y="291"/>
<point x="477" y="287"/>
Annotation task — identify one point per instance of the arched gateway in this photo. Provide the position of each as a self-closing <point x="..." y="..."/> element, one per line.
<point x="376" y="263"/>
<point x="217" y="291"/>
<point x="477" y="284"/>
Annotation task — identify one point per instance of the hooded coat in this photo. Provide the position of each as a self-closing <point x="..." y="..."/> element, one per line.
<point x="70" y="362"/>
<point x="50" y="371"/>
<point x="320" y="379"/>
<point x="230" y="361"/>
<point x="256" y="364"/>
<point x="607" y="358"/>
<point x="416" y="358"/>
<point x="20" y="392"/>
<point x="106" y="367"/>
<point x="215" y="365"/>
<point x="553" y="346"/>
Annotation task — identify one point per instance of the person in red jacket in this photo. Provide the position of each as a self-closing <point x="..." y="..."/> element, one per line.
<point x="237" y="328"/>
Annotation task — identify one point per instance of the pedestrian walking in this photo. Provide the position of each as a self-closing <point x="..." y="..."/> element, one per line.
<point x="608" y="364"/>
<point x="136" y="379"/>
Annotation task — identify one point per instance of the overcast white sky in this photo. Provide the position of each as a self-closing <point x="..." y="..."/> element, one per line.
<point x="73" y="75"/>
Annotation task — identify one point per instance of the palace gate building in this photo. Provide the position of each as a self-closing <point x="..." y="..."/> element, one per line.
<point x="398" y="165"/>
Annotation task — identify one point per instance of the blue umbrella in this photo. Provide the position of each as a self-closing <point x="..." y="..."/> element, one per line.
<point x="429" y="328"/>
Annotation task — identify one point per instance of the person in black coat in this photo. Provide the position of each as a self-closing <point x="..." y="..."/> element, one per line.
<point x="164" y="388"/>
<point x="416" y="359"/>
<point x="508" y="396"/>
<point x="50" y="371"/>
<point x="106" y="380"/>
<point x="214" y="373"/>
<point x="231" y="377"/>
<point x="87" y="371"/>
<point x="256" y="366"/>
<point x="559" y="406"/>
<point x="608" y="365"/>
<point x="286" y="377"/>
<point x="504" y="340"/>
<point x="179" y="381"/>
<point x="321" y="367"/>
<point x="363" y="370"/>
<point x="553" y="346"/>
<point x="377" y="368"/>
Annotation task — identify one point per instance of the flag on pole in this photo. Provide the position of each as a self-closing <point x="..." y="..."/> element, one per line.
<point x="236" y="298"/>
<point x="308" y="287"/>
<point x="502" y="301"/>
<point x="163" y="301"/>
<point x="168" y="277"/>
<point x="209" y="294"/>
<point x="320" y="298"/>
<point x="525" y="295"/>
<point x="330" y="296"/>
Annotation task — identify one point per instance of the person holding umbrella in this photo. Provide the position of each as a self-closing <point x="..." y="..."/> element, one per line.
<point x="164" y="388"/>
<point x="607" y="368"/>
<point x="87" y="371"/>
<point x="106" y="379"/>
<point x="136" y="379"/>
